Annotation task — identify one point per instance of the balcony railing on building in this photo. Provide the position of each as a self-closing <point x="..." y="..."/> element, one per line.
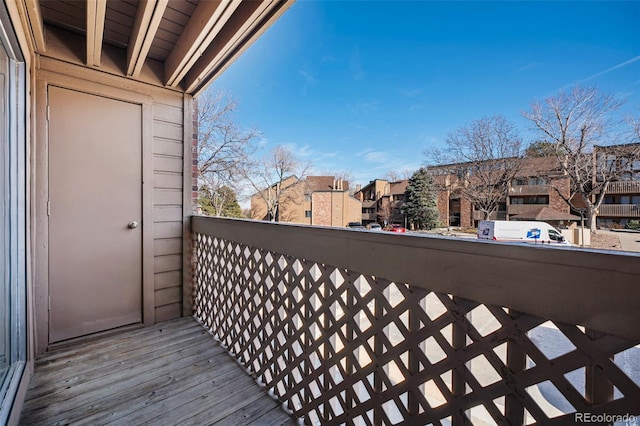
<point x="524" y="208"/>
<point x="617" y="210"/>
<point x="349" y="327"/>
<point x="497" y="215"/>
<point x="529" y="190"/>
<point x="630" y="187"/>
<point x="369" y="204"/>
<point x="369" y="216"/>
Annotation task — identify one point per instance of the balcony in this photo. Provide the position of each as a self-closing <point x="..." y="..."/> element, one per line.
<point x="369" y="216"/>
<point x="499" y="215"/>
<point x="529" y="190"/>
<point x="631" y="187"/>
<point x="170" y="373"/>
<point x="361" y="328"/>
<point x="346" y="327"/>
<point x="619" y="210"/>
<point x="369" y="204"/>
<point x="523" y="208"/>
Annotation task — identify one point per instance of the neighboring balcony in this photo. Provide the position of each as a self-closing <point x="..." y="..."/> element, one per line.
<point x="369" y="216"/>
<point x="529" y="190"/>
<point x="499" y="215"/>
<point x="523" y="208"/>
<point x="619" y="210"/>
<point x="626" y="187"/>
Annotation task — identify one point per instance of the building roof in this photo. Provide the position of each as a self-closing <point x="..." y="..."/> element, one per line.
<point x="399" y="187"/>
<point x="324" y="183"/>
<point x="534" y="166"/>
<point x="545" y="213"/>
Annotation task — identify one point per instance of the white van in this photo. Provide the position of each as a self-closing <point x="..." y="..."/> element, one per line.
<point x="520" y="231"/>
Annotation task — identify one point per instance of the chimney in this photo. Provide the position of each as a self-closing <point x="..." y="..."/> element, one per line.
<point x="358" y="188"/>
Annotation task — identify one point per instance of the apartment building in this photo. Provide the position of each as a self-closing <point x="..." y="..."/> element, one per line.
<point x="532" y="194"/>
<point x="315" y="200"/>
<point x="621" y="203"/>
<point x="382" y="201"/>
<point x="538" y="192"/>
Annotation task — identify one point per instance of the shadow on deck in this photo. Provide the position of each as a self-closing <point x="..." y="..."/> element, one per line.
<point x="170" y="373"/>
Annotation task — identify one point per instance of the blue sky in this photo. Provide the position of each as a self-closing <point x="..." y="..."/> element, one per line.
<point x="366" y="86"/>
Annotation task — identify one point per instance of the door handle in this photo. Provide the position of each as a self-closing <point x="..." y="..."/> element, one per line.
<point x="132" y="225"/>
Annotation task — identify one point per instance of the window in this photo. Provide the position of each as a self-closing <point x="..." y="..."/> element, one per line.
<point x="537" y="180"/>
<point x="13" y="216"/>
<point x="533" y="180"/>
<point x="555" y="235"/>
<point x="307" y="213"/>
<point x="539" y="199"/>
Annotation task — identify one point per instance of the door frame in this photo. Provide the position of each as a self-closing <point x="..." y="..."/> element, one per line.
<point x="44" y="79"/>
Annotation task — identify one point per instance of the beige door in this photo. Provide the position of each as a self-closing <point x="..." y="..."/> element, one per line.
<point x="95" y="196"/>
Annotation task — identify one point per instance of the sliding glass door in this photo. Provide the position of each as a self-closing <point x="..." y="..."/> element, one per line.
<point x="5" y="295"/>
<point x="12" y="217"/>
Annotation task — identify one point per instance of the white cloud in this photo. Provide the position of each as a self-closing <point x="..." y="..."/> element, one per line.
<point x="376" y="157"/>
<point x="308" y="77"/>
<point x="603" y="72"/>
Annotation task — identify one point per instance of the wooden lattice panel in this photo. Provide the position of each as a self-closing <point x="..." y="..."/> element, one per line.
<point x="339" y="346"/>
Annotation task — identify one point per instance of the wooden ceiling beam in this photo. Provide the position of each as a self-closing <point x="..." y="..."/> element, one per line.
<point x="96" y="11"/>
<point x="145" y="27"/>
<point x="34" y="16"/>
<point x="207" y="20"/>
<point x="247" y="24"/>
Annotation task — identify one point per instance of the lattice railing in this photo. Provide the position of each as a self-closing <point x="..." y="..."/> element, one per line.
<point x="345" y="347"/>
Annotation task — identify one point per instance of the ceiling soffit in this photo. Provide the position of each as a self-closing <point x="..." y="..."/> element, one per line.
<point x="184" y="43"/>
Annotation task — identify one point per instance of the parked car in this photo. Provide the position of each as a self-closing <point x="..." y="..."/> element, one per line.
<point x="395" y="228"/>
<point x="374" y="227"/>
<point x="355" y="225"/>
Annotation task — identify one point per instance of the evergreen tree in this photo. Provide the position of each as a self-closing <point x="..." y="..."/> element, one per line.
<point x="222" y="202"/>
<point x="421" y="200"/>
<point x="231" y="208"/>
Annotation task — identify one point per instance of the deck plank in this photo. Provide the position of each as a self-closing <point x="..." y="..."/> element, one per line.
<point x="170" y="373"/>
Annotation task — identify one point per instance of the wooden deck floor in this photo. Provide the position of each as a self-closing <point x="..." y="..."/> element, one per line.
<point x="168" y="374"/>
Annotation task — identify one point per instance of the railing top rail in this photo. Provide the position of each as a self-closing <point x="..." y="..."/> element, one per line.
<point x="596" y="289"/>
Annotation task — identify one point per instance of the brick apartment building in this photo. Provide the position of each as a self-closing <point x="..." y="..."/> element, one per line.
<point x="382" y="201"/>
<point x="537" y="192"/>
<point x="315" y="200"/>
<point x="530" y="192"/>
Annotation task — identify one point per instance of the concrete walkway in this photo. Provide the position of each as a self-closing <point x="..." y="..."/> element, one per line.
<point x="629" y="240"/>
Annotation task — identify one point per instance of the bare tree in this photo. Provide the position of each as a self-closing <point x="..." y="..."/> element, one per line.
<point x="587" y="136"/>
<point x="486" y="157"/>
<point x="397" y="175"/>
<point x="224" y="149"/>
<point x="277" y="179"/>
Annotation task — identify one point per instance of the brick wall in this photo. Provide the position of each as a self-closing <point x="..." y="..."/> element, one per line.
<point x="443" y="207"/>
<point x="466" y="212"/>
<point x="555" y="201"/>
<point x="321" y="210"/>
<point x="194" y="159"/>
